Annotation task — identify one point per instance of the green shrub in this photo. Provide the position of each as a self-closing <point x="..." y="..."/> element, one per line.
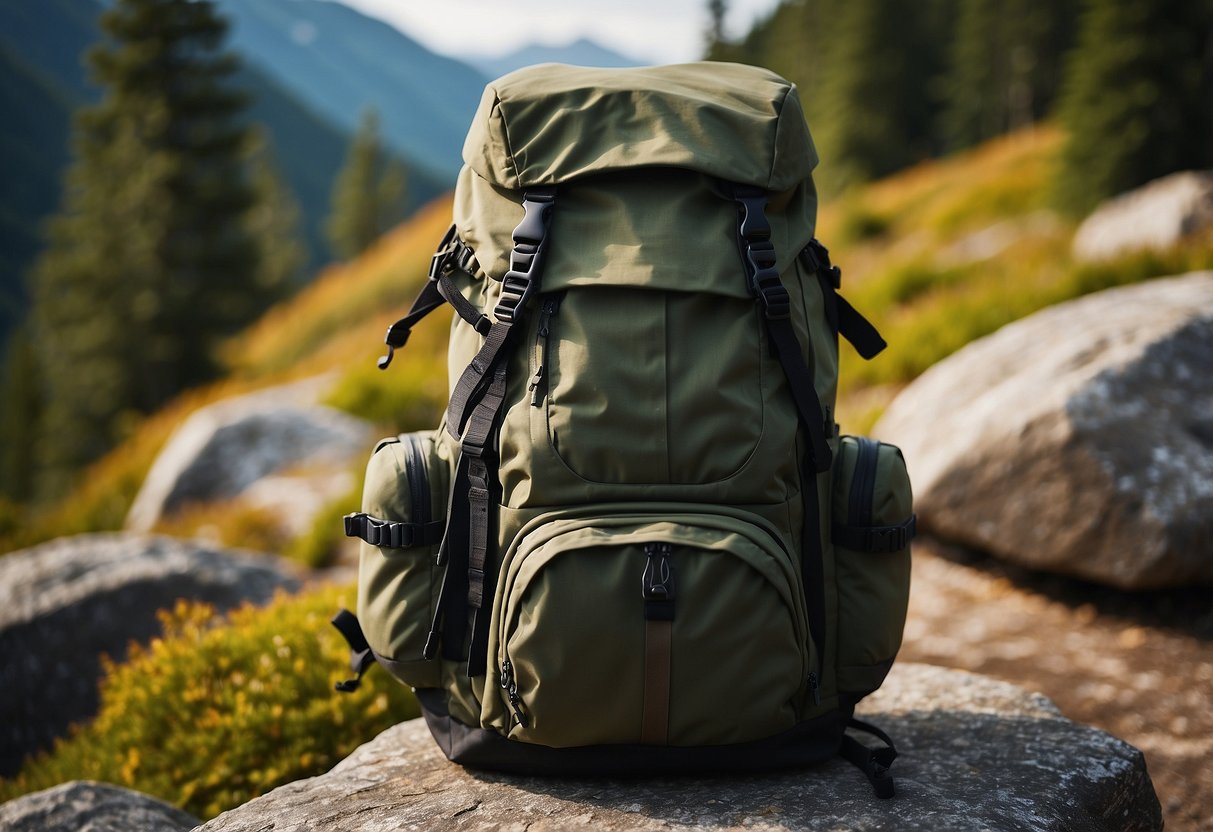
<point x="318" y="546"/>
<point x="410" y="396"/>
<point x="217" y="711"/>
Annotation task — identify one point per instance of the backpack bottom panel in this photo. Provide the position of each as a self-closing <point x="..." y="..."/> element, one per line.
<point x="812" y="741"/>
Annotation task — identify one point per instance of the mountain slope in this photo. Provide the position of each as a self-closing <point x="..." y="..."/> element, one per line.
<point x="339" y="62"/>
<point x="908" y="247"/>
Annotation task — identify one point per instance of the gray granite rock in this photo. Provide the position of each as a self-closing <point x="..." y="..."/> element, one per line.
<point x="64" y="603"/>
<point x="977" y="754"/>
<point x="85" y="806"/>
<point x="1156" y="215"/>
<point x="1078" y="440"/>
<point x="297" y="451"/>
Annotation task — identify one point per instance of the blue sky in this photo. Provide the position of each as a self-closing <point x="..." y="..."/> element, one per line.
<point x="649" y="30"/>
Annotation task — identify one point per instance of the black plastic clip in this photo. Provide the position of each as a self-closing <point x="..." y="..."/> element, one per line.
<point x="754" y="231"/>
<point x="526" y="260"/>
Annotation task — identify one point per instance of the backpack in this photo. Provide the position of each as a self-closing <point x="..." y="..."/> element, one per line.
<point x="636" y="543"/>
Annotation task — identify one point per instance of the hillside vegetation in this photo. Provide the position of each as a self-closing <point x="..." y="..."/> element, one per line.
<point x="936" y="256"/>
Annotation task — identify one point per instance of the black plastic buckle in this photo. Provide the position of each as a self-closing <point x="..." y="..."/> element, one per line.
<point x="446" y="249"/>
<point x="526" y="260"/>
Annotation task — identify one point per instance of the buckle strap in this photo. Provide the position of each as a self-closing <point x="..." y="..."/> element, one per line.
<point x="758" y="257"/>
<point x="873" y="762"/>
<point x="517" y="286"/>
<point x="876" y="539"/>
<point x="361" y="655"/>
<point x="390" y="534"/>
<point x="846" y="320"/>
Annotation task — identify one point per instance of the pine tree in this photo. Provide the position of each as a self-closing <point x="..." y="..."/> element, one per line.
<point x="876" y="111"/>
<point x="368" y="194"/>
<point x="1136" y="97"/>
<point x="274" y="223"/>
<point x="1004" y="67"/>
<point x="20" y="412"/>
<point x="149" y="262"/>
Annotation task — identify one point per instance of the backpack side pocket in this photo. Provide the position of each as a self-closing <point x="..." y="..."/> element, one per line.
<point x="873" y="523"/>
<point x="401" y="524"/>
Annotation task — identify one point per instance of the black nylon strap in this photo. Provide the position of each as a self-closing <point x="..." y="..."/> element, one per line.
<point x="844" y="318"/>
<point x="477" y="446"/>
<point x="875" y="539"/>
<point x="758" y="257"/>
<point x="517" y="287"/>
<point x="873" y="762"/>
<point x="857" y="329"/>
<point x="462" y="306"/>
<point x="361" y="656"/>
<point x="390" y="534"/>
<point x="452" y="253"/>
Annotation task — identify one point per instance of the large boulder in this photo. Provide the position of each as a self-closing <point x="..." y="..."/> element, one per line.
<point x="976" y="754"/>
<point x="1155" y="216"/>
<point x="276" y="448"/>
<point x="1078" y="440"/>
<point x="64" y="603"/>
<point x="85" y="806"/>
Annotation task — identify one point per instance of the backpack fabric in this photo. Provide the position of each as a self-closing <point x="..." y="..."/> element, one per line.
<point x="636" y="543"/>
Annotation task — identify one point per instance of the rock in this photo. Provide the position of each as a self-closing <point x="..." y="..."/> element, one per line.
<point x="64" y="603"/>
<point x="993" y="240"/>
<point x="975" y="754"/>
<point x="85" y="806"/>
<point x="1157" y="215"/>
<point x="1078" y="440"/>
<point x="227" y="449"/>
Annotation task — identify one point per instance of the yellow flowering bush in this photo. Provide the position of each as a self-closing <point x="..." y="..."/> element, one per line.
<point x="218" y="711"/>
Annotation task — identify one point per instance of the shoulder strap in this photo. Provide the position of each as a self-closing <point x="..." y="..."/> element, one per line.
<point x="758" y="257"/>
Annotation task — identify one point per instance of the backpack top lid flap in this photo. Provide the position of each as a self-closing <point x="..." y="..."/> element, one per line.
<point x="547" y="124"/>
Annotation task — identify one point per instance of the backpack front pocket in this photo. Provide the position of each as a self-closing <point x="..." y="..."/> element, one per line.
<point x="873" y="524"/>
<point x="687" y="630"/>
<point x="401" y="524"/>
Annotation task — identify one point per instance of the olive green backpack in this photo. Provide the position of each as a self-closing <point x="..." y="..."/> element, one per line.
<point x="636" y="543"/>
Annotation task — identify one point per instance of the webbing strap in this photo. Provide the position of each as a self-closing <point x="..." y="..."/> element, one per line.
<point x="758" y="257"/>
<point x="517" y="287"/>
<point x="390" y="534"/>
<point x="477" y="447"/>
<point x="452" y="253"/>
<point x="463" y="307"/>
<point x="844" y="318"/>
<point x="361" y="656"/>
<point x="873" y="762"/>
<point x="875" y="539"/>
<point x="658" y="657"/>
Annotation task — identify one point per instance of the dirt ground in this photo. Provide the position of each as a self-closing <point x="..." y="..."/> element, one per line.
<point x="1138" y="665"/>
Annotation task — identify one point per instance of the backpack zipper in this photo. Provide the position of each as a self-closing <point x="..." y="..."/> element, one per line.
<point x="863" y="481"/>
<point x="419" y="485"/>
<point x="510" y="685"/>
<point x="539" y="381"/>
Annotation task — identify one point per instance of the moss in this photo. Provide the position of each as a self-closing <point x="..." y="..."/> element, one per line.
<point x="218" y="711"/>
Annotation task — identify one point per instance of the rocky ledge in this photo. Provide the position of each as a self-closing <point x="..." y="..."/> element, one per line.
<point x="975" y="754"/>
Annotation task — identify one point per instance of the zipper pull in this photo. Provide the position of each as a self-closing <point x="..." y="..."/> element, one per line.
<point x="510" y="685"/>
<point x="814" y="687"/>
<point x="545" y="316"/>
<point x="536" y="391"/>
<point x="538" y="384"/>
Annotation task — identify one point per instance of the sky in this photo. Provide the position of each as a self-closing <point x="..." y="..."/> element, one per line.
<point x="656" y="31"/>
